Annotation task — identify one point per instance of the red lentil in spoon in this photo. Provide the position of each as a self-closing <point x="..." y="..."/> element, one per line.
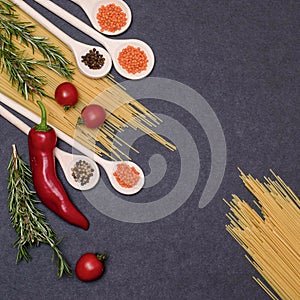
<point x="111" y="18"/>
<point x="126" y="176"/>
<point x="133" y="60"/>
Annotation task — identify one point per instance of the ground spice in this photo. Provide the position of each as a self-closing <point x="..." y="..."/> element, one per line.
<point x="126" y="176"/>
<point x="82" y="172"/>
<point x="133" y="60"/>
<point x="111" y="18"/>
<point x="93" y="59"/>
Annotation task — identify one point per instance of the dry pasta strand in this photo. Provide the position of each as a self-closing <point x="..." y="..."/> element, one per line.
<point x="272" y="239"/>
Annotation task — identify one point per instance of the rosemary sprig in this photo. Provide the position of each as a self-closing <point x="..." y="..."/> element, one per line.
<point x="24" y="31"/>
<point x="19" y="70"/>
<point x="29" y="223"/>
<point x="5" y="8"/>
<point x="54" y="60"/>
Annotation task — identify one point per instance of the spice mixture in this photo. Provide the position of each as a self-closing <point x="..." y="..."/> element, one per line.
<point x="82" y="172"/>
<point x="133" y="60"/>
<point x="111" y="18"/>
<point x="126" y="176"/>
<point x="93" y="59"/>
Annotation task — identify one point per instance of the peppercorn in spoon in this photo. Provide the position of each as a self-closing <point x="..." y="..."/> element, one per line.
<point x="80" y="171"/>
<point x="110" y="17"/>
<point x="92" y="61"/>
<point x="132" y="58"/>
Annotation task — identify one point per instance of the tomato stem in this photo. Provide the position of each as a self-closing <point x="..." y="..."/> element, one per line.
<point x="80" y="121"/>
<point x="102" y="256"/>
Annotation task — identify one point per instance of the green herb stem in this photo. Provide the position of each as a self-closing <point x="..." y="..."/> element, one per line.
<point x="19" y="68"/>
<point x="29" y="223"/>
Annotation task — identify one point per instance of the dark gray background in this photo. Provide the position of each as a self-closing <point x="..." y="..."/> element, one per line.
<point x="241" y="56"/>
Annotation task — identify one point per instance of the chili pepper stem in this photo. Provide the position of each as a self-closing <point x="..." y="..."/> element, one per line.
<point x="102" y="256"/>
<point x="43" y="126"/>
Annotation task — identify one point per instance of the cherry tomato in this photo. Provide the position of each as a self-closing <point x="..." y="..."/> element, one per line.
<point x="66" y="94"/>
<point x="90" y="266"/>
<point x="93" y="115"/>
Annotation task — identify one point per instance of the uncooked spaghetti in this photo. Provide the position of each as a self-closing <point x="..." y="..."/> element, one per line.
<point x="123" y="110"/>
<point x="272" y="240"/>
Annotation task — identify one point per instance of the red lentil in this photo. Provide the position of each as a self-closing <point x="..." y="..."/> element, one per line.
<point x="126" y="176"/>
<point x="111" y="18"/>
<point x="133" y="60"/>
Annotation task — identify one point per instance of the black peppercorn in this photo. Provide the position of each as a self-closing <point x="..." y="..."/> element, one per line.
<point x="93" y="59"/>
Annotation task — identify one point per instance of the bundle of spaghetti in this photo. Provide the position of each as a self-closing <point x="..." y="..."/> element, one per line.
<point x="270" y="234"/>
<point x="123" y="111"/>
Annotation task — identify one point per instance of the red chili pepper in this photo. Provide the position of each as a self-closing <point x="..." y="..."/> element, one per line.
<point x="42" y="142"/>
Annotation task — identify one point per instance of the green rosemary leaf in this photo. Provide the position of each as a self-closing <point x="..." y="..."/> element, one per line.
<point x="21" y="70"/>
<point x="28" y="221"/>
<point x="6" y="8"/>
